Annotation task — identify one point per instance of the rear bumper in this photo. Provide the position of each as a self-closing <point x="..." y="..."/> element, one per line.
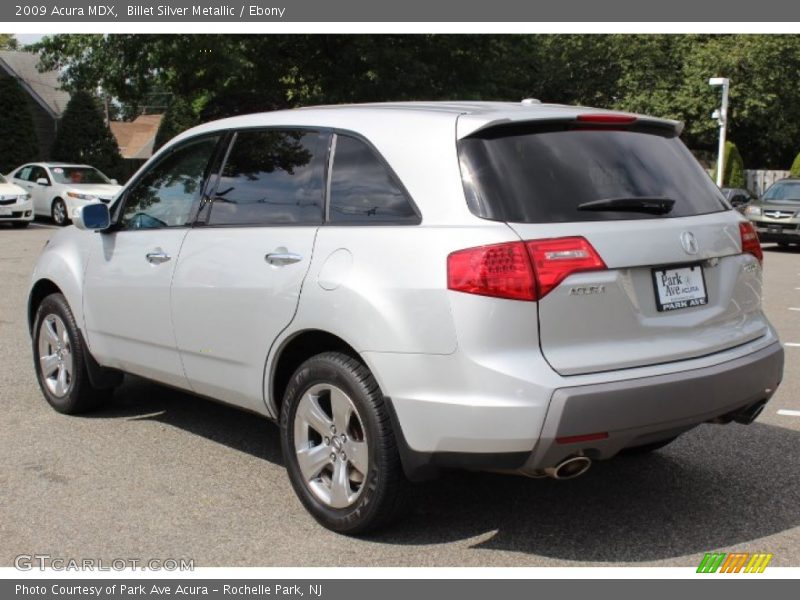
<point x="640" y="411"/>
<point x="516" y="428"/>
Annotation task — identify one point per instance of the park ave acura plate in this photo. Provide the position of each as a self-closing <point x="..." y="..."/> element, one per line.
<point x="679" y="287"/>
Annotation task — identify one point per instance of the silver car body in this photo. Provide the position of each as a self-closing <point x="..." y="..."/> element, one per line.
<point x="473" y="381"/>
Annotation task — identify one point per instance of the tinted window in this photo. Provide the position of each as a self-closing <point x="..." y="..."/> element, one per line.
<point x="527" y="176"/>
<point x="783" y="191"/>
<point x="165" y="195"/>
<point x="363" y="189"/>
<point x="38" y="173"/>
<point x="271" y="177"/>
<point x="78" y="175"/>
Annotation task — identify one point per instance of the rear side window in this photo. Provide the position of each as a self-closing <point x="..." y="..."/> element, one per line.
<point x="363" y="188"/>
<point x="271" y="177"/>
<point x="24" y="173"/>
<point x="524" y="175"/>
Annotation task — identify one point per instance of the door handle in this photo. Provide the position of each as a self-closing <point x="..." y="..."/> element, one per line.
<point x="157" y="257"/>
<point x="281" y="259"/>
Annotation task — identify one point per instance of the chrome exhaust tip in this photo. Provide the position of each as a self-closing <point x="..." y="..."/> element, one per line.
<point x="750" y="414"/>
<point x="569" y="468"/>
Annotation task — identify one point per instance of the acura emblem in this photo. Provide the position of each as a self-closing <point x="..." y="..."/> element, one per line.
<point x="689" y="242"/>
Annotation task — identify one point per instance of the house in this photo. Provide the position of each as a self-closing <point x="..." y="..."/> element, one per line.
<point x="45" y="98"/>
<point x="136" y="138"/>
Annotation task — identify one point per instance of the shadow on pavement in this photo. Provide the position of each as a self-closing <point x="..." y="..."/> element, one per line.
<point x="715" y="486"/>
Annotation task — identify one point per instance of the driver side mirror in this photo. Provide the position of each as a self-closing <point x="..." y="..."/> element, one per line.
<point x="42" y="181"/>
<point x="92" y="217"/>
<point x="115" y="182"/>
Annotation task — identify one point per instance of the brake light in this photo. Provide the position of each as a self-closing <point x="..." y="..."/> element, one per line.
<point x="750" y="243"/>
<point x="606" y="118"/>
<point x="520" y="270"/>
<point x="556" y="259"/>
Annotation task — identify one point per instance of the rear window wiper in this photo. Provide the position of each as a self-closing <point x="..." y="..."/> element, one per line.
<point x="643" y="204"/>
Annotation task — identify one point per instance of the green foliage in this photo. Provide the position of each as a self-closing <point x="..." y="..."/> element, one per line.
<point x="18" y="142"/>
<point x="84" y="137"/>
<point x="733" y="173"/>
<point x="8" y="42"/>
<point x="664" y="75"/>
<point x="795" y="171"/>
<point x="179" y="117"/>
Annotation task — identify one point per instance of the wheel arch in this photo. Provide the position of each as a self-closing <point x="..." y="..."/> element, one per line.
<point x="292" y="352"/>
<point x="40" y="290"/>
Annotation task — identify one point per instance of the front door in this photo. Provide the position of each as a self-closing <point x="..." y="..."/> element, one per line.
<point x="127" y="287"/>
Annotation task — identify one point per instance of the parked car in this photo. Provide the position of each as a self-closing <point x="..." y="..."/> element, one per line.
<point x="738" y="197"/>
<point x="15" y="204"/>
<point x="776" y="215"/>
<point x="57" y="189"/>
<point x="409" y="287"/>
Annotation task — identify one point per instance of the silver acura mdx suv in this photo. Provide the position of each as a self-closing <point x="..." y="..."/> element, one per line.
<point x="409" y="287"/>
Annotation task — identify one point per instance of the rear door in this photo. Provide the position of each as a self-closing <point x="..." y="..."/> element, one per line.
<point x="674" y="284"/>
<point x="242" y="266"/>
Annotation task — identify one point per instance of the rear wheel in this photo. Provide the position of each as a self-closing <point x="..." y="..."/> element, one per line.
<point x="59" y="358"/>
<point x="59" y="212"/>
<point x="339" y="447"/>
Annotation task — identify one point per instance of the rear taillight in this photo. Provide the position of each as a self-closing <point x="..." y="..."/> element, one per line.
<point x="556" y="259"/>
<point x="520" y="270"/>
<point x="750" y="243"/>
<point x="500" y="270"/>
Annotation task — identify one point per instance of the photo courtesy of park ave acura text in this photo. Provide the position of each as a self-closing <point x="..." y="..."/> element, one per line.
<point x="350" y="300"/>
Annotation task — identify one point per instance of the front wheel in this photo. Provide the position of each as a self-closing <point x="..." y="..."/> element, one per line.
<point x="59" y="359"/>
<point x="59" y="212"/>
<point x="339" y="446"/>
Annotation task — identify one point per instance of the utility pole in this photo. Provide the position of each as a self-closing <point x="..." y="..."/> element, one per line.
<point x="721" y="115"/>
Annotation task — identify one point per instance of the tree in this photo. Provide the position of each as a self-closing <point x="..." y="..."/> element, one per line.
<point x="18" y="143"/>
<point x="795" y="172"/>
<point x="84" y="137"/>
<point x="733" y="172"/>
<point x="179" y="117"/>
<point x="8" y="42"/>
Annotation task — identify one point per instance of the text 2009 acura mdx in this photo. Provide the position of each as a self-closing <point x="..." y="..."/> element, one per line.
<point x="404" y="287"/>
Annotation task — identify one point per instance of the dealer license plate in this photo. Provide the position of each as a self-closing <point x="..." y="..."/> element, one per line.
<point x="679" y="287"/>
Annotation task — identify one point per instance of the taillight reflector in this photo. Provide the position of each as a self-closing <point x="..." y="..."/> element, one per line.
<point x="750" y="243"/>
<point x="606" y="118"/>
<point x="575" y="439"/>
<point x="520" y="270"/>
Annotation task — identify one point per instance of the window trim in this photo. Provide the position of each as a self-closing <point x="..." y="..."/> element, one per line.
<point x="119" y="206"/>
<point x="231" y="140"/>
<point x="395" y="178"/>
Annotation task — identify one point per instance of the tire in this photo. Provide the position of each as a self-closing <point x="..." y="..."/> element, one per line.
<point x="59" y="212"/>
<point x="648" y="448"/>
<point x="20" y="224"/>
<point x="370" y="493"/>
<point x="63" y="378"/>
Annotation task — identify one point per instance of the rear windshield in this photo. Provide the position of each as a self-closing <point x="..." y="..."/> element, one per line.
<point x="524" y="175"/>
<point x="785" y="191"/>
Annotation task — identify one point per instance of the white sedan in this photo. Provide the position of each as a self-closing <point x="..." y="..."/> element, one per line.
<point x="57" y="189"/>
<point x="15" y="204"/>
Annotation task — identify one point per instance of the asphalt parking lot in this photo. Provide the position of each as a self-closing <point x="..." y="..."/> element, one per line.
<point x="161" y="474"/>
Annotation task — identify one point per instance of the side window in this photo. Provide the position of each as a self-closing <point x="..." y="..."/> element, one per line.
<point x="271" y="177"/>
<point x="24" y="173"/>
<point x="363" y="189"/>
<point x="39" y="173"/>
<point x="165" y="195"/>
